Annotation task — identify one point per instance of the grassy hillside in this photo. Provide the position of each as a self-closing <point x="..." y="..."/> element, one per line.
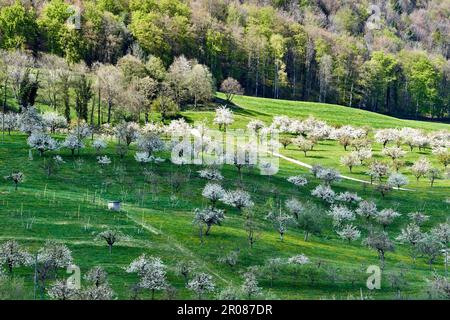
<point x="248" y="108"/>
<point x="70" y="206"/>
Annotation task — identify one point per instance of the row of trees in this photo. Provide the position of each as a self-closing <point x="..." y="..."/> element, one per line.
<point x="309" y="50"/>
<point x="104" y="92"/>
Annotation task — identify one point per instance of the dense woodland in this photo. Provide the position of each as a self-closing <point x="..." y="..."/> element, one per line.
<point x="314" y="50"/>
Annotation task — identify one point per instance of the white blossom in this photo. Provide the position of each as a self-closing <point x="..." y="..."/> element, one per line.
<point x="325" y="193"/>
<point x="99" y="144"/>
<point x="340" y="215"/>
<point x="349" y="233"/>
<point x="104" y="160"/>
<point x="151" y="272"/>
<point x="201" y="284"/>
<point x="53" y="121"/>
<point x="224" y="117"/>
<point x="30" y="120"/>
<point x="420" y="168"/>
<point x="386" y="217"/>
<point x="238" y="199"/>
<point x="9" y="121"/>
<point x="349" y="197"/>
<point x="255" y="125"/>
<point x="397" y="180"/>
<point x="143" y="157"/>
<point x="210" y="174"/>
<point x="295" y="207"/>
<point x="72" y="142"/>
<point x="12" y="255"/>
<point x="60" y="290"/>
<point x="300" y="259"/>
<point x="213" y="192"/>
<point x="42" y="142"/>
<point x="299" y="181"/>
<point x="127" y="132"/>
<point x="394" y="152"/>
<point x="367" y="209"/>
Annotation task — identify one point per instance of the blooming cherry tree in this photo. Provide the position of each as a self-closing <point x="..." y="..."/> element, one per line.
<point x="224" y="117"/>
<point x="201" y="284"/>
<point x="386" y="217"/>
<point x="151" y="271"/>
<point x="420" y="168"/>
<point x="299" y="181"/>
<point x="12" y="255"/>
<point x="349" y="233"/>
<point x="42" y="142"/>
<point x="238" y="198"/>
<point x="214" y="192"/>
<point x="397" y="180"/>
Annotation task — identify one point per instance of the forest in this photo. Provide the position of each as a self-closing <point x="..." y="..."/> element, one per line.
<point x="388" y="57"/>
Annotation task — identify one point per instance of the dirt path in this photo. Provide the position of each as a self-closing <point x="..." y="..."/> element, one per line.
<point x="305" y="165"/>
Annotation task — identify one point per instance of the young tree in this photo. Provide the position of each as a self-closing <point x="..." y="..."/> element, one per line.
<point x="429" y="246"/>
<point x="250" y="226"/>
<point x="350" y="161"/>
<point x="325" y="193"/>
<point x="224" y="117"/>
<point x="53" y="121"/>
<point x="386" y="217"/>
<point x="377" y="171"/>
<point x="281" y="221"/>
<point x="439" y="287"/>
<point x="16" y="177"/>
<point x="185" y="268"/>
<point x="341" y="215"/>
<point x="411" y="235"/>
<point x="394" y="153"/>
<point x="238" y="199"/>
<point x="272" y="267"/>
<point x="367" y="209"/>
<point x="207" y="217"/>
<point x="380" y="242"/>
<point x="214" y="192"/>
<point x="60" y="290"/>
<point x="201" y="284"/>
<point x="299" y="181"/>
<point x="250" y="286"/>
<point x="151" y="272"/>
<point x="349" y="233"/>
<point x="442" y="233"/>
<point x="42" y="142"/>
<point x="294" y="207"/>
<point x="111" y="237"/>
<point x="231" y="258"/>
<point x="231" y="87"/>
<point x="420" y="168"/>
<point x="49" y="258"/>
<point x="150" y="143"/>
<point x="12" y="255"/>
<point x="73" y="142"/>
<point x="397" y="180"/>
<point x="285" y="142"/>
<point x="310" y="220"/>
<point x="328" y="176"/>
<point x="433" y="174"/>
<point x="127" y="132"/>
<point x="303" y="144"/>
<point x="348" y="197"/>
<point x="418" y="218"/>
